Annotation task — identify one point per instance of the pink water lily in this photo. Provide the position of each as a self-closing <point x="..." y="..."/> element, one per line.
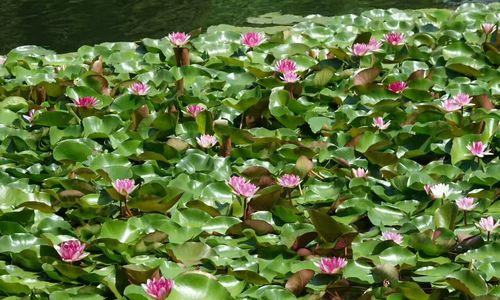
<point x="374" y="45"/>
<point x="478" y="149"/>
<point x="450" y="105"/>
<point x="392" y="236"/>
<point x="86" y="102"/>
<point x="31" y="114"/>
<point x="394" y="38"/>
<point x="158" y="288"/>
<point x="2" y="60"/>
<point x="462" y="99"/>
<point x="253" y="39"/>
<point x="360" y="49"/>
<point x="397" y="87"/>
<point x="488" y="224"/>
<point x="285" y="66"/>
<point x="179" y="38"/>
<point x="379" y="123"/>
<point x="466" y="203"/>
<point x="332" y="265"/>
<point x="124" y="187"/>
<point x="242" y="187"/>
<point x="488" y="28"/>
<point x="289" y="180"/>
<point x="195" y="109"/>
<point x="139" y="88"/>
<point x="206" y="141"/>
<point x="290" y="77"/>
<point x="360" y="173"/>
<point x="71" y="251"/>
<point x="427" y="189"/>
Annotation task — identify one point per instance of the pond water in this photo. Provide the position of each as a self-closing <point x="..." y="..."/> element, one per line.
<point x="65" y="25"/>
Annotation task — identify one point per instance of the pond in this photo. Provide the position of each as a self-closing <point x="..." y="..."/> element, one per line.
<point x="65" y="25"/>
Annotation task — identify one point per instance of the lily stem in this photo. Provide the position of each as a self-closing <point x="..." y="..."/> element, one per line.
<point x="244" y="208"/>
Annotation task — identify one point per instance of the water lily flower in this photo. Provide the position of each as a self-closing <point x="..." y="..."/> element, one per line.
<point x="360" y="173"/>
<point x="124" y="187"/>
<point x="86" y="102"/>
<point x="488" y="28"/>
<point x="379" y="123"/>
<point x="374" y="45"/>
<point x="242" y="187"/>
<point x="478" y="149"/>
<point x="2" y="59"/>
<point x="290" y="77"/>
<point x="158" y="288"/>
<point x="206" y="141"/>
<point x="466" y="203"/>
<point x="360" y="49"/>
<point x="139" y="88"/>
<point x="488" y="224"/>
<point x="253" y="39"/>
<point x="31" y="114"/>
<point x="392" y="236"/>
<point x="285" y="66"/>
<point x="289" y="180"/>
<point x="71" y="251"/>
<point x="179" y="38"/>
<point x="195" y="109"/>
<point x="427" y="189"/>
<point x="397" y="87"/>
<point x="462" y="99"/>
<point x="394" y="38"/>
<point x="450" y="105"/>
<point x="332" y="265"/>
<point x="440" y="190"/>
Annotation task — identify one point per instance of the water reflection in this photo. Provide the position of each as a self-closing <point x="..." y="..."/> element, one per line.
<point x="64" y="25"/>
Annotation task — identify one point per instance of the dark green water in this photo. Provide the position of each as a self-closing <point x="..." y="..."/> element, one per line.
<point x="65" y="25"/>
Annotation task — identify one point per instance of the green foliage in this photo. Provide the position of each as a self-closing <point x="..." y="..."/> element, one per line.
<point x="186" y="224"/>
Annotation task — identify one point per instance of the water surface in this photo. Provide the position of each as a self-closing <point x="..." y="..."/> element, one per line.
<point x="65" y="25"/>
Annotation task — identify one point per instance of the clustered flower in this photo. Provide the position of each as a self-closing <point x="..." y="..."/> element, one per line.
<point x="438" y="191"/>
<point x="194" y="110"/>
<point x="397" y="87"/>
<point x="179" y="39"/>
<point x="332" y="265"/>
<point x="289" y="180"/>
<point x="360" y="173"/>
<point x="457" y="102"/>
<point x="379" y="123"/>
<point x="71" y="251"/>
<point x="253" y="39"/>
<point x="206" y="141"/>
<point x="488" y="224"/>
<point x="392" y="236"/>
<point x="478" y="149"/>
<point x="394" y="38"/>
<point x="488" y="28"/>
<point x="466" y="203"/>
<point x="139" y="89"/>
<point x="158" y="288"/>
<point x="288" y="70"/>
<point x="362" y="49"/>
<point x="242" y="187"/>
<point x="124" y="187"/>
<point x="86" y="102"/>
<point x="31" y="114"/>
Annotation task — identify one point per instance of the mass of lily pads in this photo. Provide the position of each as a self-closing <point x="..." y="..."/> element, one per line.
<point x="347" y="157"/>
